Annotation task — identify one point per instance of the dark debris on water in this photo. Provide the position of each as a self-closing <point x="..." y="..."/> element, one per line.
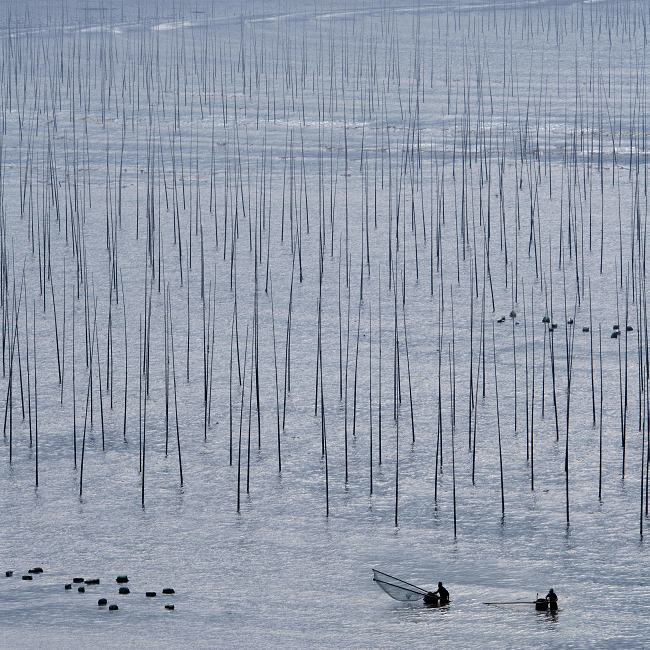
<point x="83" y="582"/>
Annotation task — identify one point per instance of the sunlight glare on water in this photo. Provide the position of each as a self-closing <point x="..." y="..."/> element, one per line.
<point x="224" y="149"/>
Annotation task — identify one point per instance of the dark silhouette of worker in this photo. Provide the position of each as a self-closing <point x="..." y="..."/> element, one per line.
<point x="551" y="597"/>
<point x="441" y="594"/>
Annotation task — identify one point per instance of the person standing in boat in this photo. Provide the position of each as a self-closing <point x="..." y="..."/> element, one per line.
<point x="438" y="597"/>
<point x="551" y="598"/>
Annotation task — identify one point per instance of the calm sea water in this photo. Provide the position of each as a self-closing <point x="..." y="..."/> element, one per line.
<point x="137" y="119"/>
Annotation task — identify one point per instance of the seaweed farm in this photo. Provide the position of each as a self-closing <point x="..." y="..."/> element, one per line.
<point x="295" y="291"/>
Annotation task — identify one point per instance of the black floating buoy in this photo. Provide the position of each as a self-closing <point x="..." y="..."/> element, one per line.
<point x="585" y="329"/>
<point x="92" y="581"/>
<point x="168" y="591"/>
<point x="513" y="314"/>
<point x="150" y="594"/>
<point x="77" y="580"/>
<point x="36" y="569"/>
<point x="81" y="590"/>
<point x="541" y="604"/>
<point x="614" y="335"/>
<point x="570" y="321"/>
<point x="102" y="601"/>
<point x="169" y="606"/>
<point x="554" y="326"/>
<point x="8" y="574"/>
<point x="615" y="327"/>
<point x="27" y="577"/>
<point x="123" y="591"/>
<point x="113" y="608"/>
<point x="431" y="599"/>
<point x="546" y="319"/>
<point x="629" y="328"/>
<point x="121" y="579"/>
<point x="502" y="319"/>
<point x="68" y="586"/>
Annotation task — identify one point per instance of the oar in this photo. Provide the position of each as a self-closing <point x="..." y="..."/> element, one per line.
<point x="513" y="602"/>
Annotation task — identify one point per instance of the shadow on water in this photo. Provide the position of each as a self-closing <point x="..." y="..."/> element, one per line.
<point x="548" y="617"/>
<point x="420" y="613"/>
